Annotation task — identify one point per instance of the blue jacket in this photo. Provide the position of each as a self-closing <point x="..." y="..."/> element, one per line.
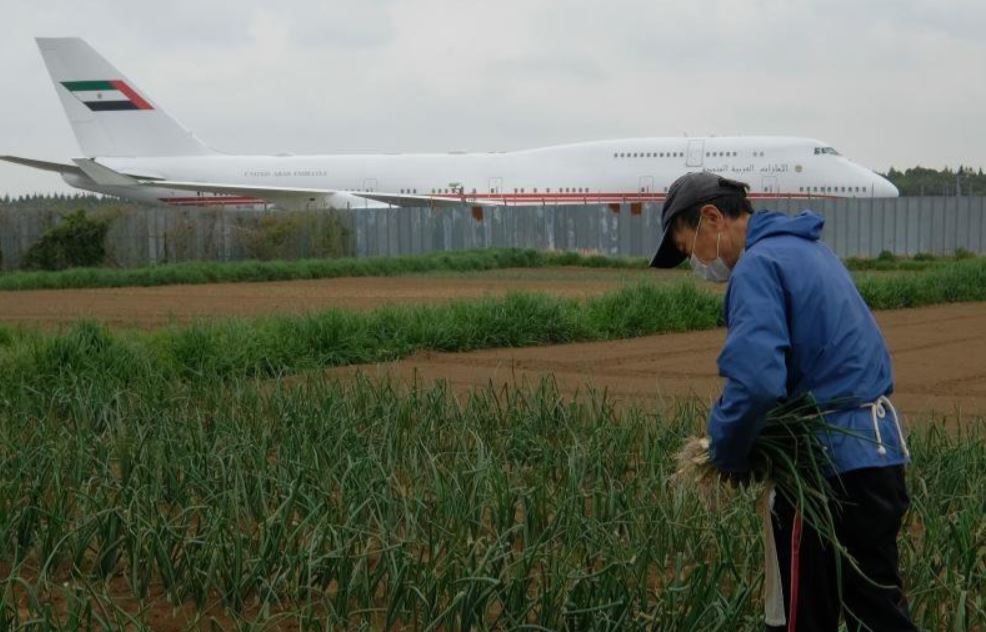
<point x="796" y="324"/>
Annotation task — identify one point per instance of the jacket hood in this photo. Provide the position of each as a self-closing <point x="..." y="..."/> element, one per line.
<point x="763" y="224"/>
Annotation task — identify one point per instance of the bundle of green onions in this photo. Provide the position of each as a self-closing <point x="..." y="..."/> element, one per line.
<point x="788" y="454"/>
<point x="791" y="459"/>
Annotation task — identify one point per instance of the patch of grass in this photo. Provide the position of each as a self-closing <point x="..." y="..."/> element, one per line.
<point x="958" y="281"/>
<point x="888" y="262"/>
<point x="257" y="271"/>
<point x="566" y="275"/>
<point x="365" y="504"/>
<point x="194" y="273"/>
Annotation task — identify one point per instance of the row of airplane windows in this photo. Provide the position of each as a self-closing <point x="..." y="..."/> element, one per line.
<point x="679" y="154"/>
<point x="649" y="154"/>
<point x="827" y="189"/>
<point x="548" y="190"/>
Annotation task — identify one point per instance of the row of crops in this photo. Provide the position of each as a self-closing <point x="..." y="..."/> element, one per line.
<point x="320" y="504"/>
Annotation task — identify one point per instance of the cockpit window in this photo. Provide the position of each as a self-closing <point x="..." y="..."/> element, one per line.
<point x="826" y="150"/>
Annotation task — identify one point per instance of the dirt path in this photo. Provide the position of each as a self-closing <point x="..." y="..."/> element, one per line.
<point x="149" y="307"/>
<point x="939" y="356"/>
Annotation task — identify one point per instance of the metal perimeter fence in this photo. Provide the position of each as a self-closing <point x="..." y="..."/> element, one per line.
<point x="861" y="227"/>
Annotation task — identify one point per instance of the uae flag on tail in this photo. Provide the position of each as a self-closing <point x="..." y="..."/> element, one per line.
<point x="105" y="96"/>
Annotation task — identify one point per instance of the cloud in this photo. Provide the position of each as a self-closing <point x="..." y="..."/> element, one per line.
<point x="887" y="81"/>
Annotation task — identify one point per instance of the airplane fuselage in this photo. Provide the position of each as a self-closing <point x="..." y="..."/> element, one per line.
<point x="629" y="170"/>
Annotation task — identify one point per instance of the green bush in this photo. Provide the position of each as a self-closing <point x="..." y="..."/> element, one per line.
<point x="278" y="236"/>
<point x="77" y="241"/>
<point x="886" y="255"/>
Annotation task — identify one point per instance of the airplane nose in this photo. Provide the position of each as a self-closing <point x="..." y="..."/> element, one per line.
<point x="885" y="188"/>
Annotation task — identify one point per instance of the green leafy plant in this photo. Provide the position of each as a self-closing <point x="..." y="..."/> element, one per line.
<point x="77" y="241"/>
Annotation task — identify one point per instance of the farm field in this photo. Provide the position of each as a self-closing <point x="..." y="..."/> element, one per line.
<point x="938" y="352"/>
<point x="161" y="305"/>
<point x="149" y="307"/>
<point x="939" y="356"/>
<point x="217" y="475"/>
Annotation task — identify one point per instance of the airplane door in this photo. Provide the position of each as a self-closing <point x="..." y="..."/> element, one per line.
<point x="646" y="184"/>
<point x="769" y="184"/>
<point x="696" y="153"/>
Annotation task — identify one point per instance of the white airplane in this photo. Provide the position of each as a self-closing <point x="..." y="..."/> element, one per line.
<point x="133" y="149"/>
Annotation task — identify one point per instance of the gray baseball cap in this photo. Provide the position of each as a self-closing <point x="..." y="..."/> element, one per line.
<point x="689" y="191"/>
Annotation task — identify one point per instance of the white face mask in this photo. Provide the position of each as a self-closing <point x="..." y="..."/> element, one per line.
<point x="716" y="271"/>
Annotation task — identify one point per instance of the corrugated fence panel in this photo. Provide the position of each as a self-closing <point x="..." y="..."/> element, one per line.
<point x="913" y="226"/>
<point x="977" y="224"/>
<point x="936" y="229"/>
<point x="853" y="227"/>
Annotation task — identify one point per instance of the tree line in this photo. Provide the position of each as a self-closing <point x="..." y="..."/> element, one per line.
<point x="947" y="181"/>
<point x="65" y="202"/>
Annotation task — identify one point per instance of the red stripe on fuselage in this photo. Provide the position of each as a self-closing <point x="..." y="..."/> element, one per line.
<point x="199" y="198"/>
<point x="581" y="198"/>
<point x="211" y="201"/>
<point x="199" y="204"/>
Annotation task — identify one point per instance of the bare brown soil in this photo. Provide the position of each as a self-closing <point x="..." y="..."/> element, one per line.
<point x="939" y="356"/>
<point x="149" y="307"/>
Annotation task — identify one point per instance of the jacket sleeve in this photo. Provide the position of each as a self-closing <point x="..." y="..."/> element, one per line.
<point x="753" y="361"/>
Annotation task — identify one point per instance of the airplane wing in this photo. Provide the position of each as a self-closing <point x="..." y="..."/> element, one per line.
<point x="44" y="165"/>
<point x="88" y="167"/>
<point x="103" y="175"/>
<point x="398" y="199"/>
<point x="275" y="194"/>
<point x="236" y="189"/>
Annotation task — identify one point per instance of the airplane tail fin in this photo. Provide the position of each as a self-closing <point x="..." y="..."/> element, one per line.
<point x="109" y="115"/>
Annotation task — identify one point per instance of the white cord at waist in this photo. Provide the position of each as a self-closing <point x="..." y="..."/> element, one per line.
<point x="878" y="412"/>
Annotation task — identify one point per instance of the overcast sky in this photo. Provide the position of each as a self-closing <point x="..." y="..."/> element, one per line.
<point x="887" y="82"/>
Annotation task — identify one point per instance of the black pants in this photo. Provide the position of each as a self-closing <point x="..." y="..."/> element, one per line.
<point x="873" y="502"/>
